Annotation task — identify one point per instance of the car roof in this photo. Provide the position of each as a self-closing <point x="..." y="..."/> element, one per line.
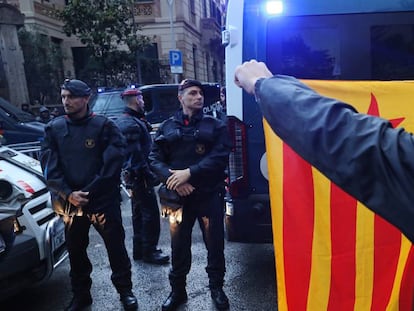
<point x="15" y="112"/>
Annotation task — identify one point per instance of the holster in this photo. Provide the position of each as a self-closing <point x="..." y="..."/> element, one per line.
<point x="169" y="199"/>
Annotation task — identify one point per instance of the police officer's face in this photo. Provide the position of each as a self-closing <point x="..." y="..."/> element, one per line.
<point x="192" y="100"/>
<point x="75" y="107"/>
<point x="140" y="102"/>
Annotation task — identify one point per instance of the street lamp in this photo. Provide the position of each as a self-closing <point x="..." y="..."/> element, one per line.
<point x="171" y="4"/>
<point x="173" y="46"/>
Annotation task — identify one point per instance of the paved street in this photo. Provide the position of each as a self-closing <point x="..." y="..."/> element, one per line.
<point x="250" y="279"/>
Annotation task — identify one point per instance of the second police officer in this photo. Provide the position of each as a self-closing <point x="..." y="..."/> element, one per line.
<point x="189" y="155"/>
<point x="139" y="178"/>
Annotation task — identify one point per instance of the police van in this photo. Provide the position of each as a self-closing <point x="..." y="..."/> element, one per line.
<point x="161" y="101"/>
<point x="319" y="39"/>
<point x="32" y="236"/>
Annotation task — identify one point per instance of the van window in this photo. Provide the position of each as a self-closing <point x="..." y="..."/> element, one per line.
<point x="168" y="101"/>
<point x="148" y="101"/>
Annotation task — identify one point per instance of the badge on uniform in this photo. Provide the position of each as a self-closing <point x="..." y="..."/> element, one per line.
<point x="89" y="143"/>
<point x="200" y="149"/>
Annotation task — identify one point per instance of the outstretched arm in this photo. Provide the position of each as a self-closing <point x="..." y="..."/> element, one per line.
<point x="362" y="154"/>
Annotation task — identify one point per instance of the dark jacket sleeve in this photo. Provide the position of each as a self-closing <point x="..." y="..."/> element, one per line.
<point x="158" y="157"/>
<point x="362" y="154"/>
<point x="52" y="170"/>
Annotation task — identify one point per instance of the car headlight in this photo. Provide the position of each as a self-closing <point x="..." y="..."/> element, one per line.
<point x="6" y="189"/>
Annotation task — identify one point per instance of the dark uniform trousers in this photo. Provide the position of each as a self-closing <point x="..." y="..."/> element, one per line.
<point x="109" y="226"/>
<point x="208" y="209"/>
<point x="145" y="218"/>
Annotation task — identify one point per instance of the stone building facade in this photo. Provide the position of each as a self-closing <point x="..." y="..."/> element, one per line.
<point x="12" y="76"/>
<point x="191" y="26"/>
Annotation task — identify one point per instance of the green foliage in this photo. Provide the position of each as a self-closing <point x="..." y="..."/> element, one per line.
<point x="43" y="67"/>
<point x="109" y="31"/>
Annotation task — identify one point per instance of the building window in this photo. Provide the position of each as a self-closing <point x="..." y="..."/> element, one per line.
<point x="208" y="66"/>
<point x="192" y="11"/>
<point x="205" y="8"/>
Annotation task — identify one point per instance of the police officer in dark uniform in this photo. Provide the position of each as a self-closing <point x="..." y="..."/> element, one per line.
<point x="139" y="178"/>
<point x="189" y="155"/>
<point x="81" y="157"/>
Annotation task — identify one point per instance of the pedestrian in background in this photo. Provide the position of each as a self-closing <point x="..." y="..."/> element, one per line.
<point x="25" y="107"/>
<point x="189" y="155"/>
<point x="139" y="178"/>
<point x="55" y="112"/>
<point x="44" y="115"/>
<point x="223" y="99"/>
<point x="81" y="157"/>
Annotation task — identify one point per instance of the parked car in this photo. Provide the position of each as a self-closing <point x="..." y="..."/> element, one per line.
<point x="32" y="240"/>
<point x="18" y="126"/>
<point x="160" y="101"/>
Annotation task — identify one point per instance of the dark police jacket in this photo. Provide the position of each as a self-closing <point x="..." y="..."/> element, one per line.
<point x="139" y="144"/>
<point x="362" y="154"/>
<point x="84" y="155"/>
<point x="203" y="146"/>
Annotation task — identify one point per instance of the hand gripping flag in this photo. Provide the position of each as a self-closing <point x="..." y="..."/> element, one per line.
<point x="332" y="253"/>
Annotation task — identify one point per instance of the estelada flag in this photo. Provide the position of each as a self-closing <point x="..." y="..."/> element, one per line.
<point x="331" y="252"/>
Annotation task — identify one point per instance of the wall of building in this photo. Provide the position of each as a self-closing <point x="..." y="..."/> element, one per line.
<point x="14" y="87"/>
<point x="198" y="57"/>
<point x="154" y="16"/>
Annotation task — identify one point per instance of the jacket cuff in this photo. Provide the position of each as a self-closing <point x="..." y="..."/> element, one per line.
<point x="194" y="170"/>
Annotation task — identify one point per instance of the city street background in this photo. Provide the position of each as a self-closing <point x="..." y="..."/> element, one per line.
<point x="250" y="278"/>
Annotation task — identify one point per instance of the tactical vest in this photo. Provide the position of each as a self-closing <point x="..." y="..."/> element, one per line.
<point x="186" y="145"/>
<point x="80" y="148"/>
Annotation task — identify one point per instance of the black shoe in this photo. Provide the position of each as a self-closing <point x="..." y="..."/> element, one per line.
<point x="220" y="299"/>
<point x="129" y="301"/>
<point x="156" y="258"/>
<point x="174" y="300"/>
<point x="79" y="302"/>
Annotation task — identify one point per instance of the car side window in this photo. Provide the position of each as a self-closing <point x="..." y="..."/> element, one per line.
<point x="149" y="106"/>
<point x="168" y="101"/>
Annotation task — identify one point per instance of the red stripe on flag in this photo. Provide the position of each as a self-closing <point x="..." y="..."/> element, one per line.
<point x="343" y="239"/>
<point x="298" y="226"/>
<point x="387" y="245"/>
<point x="407" y="284"/>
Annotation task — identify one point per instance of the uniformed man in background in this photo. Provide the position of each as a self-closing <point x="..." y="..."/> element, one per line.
<point x="139" y="178"/>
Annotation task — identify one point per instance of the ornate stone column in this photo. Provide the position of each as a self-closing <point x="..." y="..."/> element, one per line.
<point x="13" y="85"/>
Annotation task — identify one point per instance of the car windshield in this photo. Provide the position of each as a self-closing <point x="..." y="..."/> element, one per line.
<point x="108" y="104"/>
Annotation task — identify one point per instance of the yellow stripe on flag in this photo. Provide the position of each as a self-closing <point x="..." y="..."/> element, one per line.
<point x="274" y="146"/>
<point x="364" y="258"/>
<point x="321" y="252"/>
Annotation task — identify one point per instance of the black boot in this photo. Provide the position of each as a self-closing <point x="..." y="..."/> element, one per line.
<point x="174" y="300"/>
<point x="220" y="299"/>
<point x="156" y="257"/>
<point x="136" y="251"/>
<point x="79" y="302"/>
<point x="137" y="254"/>
<point x="129" y="301"/>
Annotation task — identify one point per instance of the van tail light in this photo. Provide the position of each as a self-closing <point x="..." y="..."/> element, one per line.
<point x="238" y="180"/>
